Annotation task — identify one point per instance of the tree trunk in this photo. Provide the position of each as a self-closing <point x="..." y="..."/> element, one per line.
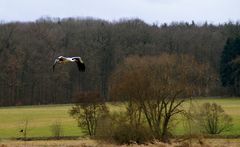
<point x="164" y="136"/>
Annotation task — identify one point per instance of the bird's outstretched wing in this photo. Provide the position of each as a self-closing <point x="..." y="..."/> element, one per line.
<point x="80" y="64"/>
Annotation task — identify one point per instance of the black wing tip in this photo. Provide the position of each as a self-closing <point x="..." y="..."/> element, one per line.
<point x="81" y="67"/>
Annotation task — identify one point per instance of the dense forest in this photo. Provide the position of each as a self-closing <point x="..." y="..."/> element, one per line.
<point x="28" y="50"/>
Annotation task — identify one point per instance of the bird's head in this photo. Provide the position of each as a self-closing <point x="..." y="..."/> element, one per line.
<point x="60" y="57"/>
<point x="80" y="59"/>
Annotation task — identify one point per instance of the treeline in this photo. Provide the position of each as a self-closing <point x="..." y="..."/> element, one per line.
<point x="28" y="50"/>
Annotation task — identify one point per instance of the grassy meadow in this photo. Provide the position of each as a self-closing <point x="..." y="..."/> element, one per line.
<point x="40" y="118"/>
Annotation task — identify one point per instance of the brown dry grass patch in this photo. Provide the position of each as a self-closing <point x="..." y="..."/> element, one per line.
<point x="95" y="143"/>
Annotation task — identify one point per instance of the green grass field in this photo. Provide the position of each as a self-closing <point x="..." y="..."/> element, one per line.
<point x="40" y="118"/>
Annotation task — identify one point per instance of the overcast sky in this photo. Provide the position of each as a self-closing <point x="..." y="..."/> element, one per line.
<point x="151" y="11"/>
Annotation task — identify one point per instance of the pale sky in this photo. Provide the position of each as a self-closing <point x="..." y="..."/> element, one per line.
<point x="151" y="11"/>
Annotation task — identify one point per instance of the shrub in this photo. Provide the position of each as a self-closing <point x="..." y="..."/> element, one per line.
<point x="104" y="129"/>
<point x="117" y="127"/>
<point x="56" y="129"/>
<point x="88" y="110"/>
<point x="212" y="119"/>
<point x="125" y="133"/>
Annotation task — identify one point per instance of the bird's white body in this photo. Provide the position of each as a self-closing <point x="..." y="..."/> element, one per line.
<point x="71" y="59"/>
<point x="68" y="59"/>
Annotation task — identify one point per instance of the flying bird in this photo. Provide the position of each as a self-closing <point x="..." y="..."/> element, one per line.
<point x="78" y="60"/>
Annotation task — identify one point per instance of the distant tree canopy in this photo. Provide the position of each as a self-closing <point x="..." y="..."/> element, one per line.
<point x="28" y="49"/>
<point x="230" y="65"/>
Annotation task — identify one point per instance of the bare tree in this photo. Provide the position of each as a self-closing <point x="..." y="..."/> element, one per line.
<point x="158" y="86"/>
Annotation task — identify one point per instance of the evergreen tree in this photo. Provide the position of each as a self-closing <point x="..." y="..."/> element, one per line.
<point x="230" y="65"/>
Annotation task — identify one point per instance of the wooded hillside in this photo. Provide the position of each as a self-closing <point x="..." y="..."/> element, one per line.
<point x="28" y="50"/>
